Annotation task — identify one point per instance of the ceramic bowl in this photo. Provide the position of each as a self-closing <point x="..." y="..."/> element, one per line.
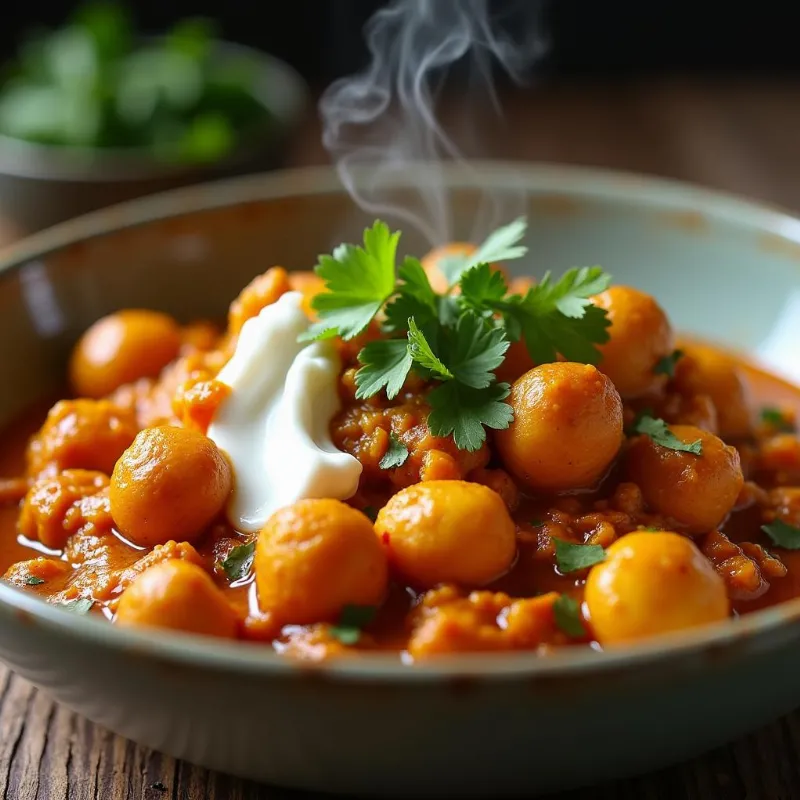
<point x="498" y="725"/>
<point x="41" y="185"/>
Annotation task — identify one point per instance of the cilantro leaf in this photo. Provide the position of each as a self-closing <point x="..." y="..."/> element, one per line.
<point x="559" y="318"/>
<point x="385" y="364"/>
<point x="371" y="512"/>
<point x="783" y="534"/>
<point x="396" y="455"/>
<point x="501" y="245"/>
<point x="666" y="365"/>
<point x="353" y="618"/>
<point x="776" y="419"/>
<point x="477" y="350"/>
<point x="572" y="557"/>
<point x="358" y="281"/>
<point x="660" y="433"/>
<point x="33" y="580"/>
<point x="571" y="293"/>
<point x="423" y="354"/>
<point x="568" y="618"/>
<point x="464" y="412"/>
<point x="239" y="561"/>
<point x="415" y="298"/>
<point x="481" y="285"/>
<point x="81" y="605"/>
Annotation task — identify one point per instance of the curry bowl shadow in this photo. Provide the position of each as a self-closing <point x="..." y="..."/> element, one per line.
<point x="482" y="725"/>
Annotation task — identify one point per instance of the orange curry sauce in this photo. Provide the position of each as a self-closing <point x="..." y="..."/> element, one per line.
<point x="99" y="563"/>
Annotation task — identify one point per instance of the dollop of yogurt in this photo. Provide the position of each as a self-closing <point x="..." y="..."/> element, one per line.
<point x="274" y="423"/>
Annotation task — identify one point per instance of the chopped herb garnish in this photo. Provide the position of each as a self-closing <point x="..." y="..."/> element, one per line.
<point x="567" y="614"/>
<point x="395" y="456"/>
<point x="660" y="433"/>
<point x="455" y="340"/>
<point x="82" y="605"/>
<point x="371" y="512"/>
<point x="783" y="535"/>
<point x="666" y="365"/>
<point x="239" y="561"/>
<point x="351" y="622"/>
<point x="572" y="557"/>
<point x="32" y="580"/>
<point x="776" y="419"/>
<point x="651" y="529"/>
<point x="537" y="523"/>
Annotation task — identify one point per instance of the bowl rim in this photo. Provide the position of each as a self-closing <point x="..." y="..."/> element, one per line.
<point x="759" y="628"/>
<point x="21" y="158"/>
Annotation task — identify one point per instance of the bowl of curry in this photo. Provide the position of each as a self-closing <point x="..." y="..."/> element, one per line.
<point x="290" y="493"/>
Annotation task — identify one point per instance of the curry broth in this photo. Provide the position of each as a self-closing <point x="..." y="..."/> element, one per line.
<point x="532" y="574"/>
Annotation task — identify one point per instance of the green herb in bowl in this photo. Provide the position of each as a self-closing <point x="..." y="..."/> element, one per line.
<point x="95" y="83"/>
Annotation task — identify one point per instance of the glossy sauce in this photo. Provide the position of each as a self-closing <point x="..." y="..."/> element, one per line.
<point x="532" y="573"/>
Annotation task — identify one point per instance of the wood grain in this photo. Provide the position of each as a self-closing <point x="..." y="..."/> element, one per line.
<point x="740" y="137"/>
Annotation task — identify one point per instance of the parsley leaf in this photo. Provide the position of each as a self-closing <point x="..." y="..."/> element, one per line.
<point x="482" y="285"/>
<point x="32" y="580"/>
<point x="385" y="364"/>
<point x="463" y="412"/>
<point x="421" y="352"/>
<point x="666" y="365"/>
<point x="776" y="419"/>
<point x="567" y="614"/>
<point x="358" y="281"/>
<point x="415" y="298"/>
<point x="351" y="621"/>
<point x="660" y="433"/>
<point x="572" y="557"/>
<point x="81" y="605"/>
<point x="239" y="561"/>
<point x="395" y="456"/>
<point x="501" y="245"/>
<point x="559" y="318"/>
<point x="783" y="534"/>
<point x="477" y="350"/>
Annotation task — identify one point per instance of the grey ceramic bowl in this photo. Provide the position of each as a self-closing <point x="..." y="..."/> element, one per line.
<point x="41" y="185"/>
<point x="491" y="725"/>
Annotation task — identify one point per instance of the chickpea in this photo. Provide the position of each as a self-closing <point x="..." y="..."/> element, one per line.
<point x="169" y="484"/>
<point x="447" y="532"/>
<point x="652" y="583"/>
<point x="567" y="427"/>
<point x="641" y="336"/>
<point x="697" y="491"/>
<point x="705" y="371"/>
<point x="81" y="434"/>
<point x="122" y="348"/>
<point x="314" y="558"/>
<point x="177" y="595"/>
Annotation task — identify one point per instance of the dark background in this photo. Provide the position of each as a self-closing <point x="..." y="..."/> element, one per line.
<point x="617" y="38"/>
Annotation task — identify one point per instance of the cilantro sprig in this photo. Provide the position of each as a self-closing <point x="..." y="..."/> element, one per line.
<point x="783" y="534"/>
<point x="659" y="432"/>
<point x="351" y="622"/>
<point x="239" y="561"/>
<point x="571" y="557"/>
<point x="456" y="339"/>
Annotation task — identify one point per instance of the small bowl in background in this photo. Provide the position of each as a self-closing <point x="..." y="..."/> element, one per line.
<point x="42" y="185"/>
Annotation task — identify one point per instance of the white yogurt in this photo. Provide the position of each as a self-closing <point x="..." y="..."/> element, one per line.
<point x="274" y="423"/>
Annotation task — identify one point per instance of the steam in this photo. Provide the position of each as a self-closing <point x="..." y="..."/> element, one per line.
<point x="378" y="122"/>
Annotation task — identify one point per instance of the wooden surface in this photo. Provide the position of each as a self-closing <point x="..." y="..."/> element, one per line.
<point x="740" y="137"/>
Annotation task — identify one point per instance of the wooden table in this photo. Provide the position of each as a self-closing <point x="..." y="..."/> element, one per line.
<point x="740" y="137"/>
